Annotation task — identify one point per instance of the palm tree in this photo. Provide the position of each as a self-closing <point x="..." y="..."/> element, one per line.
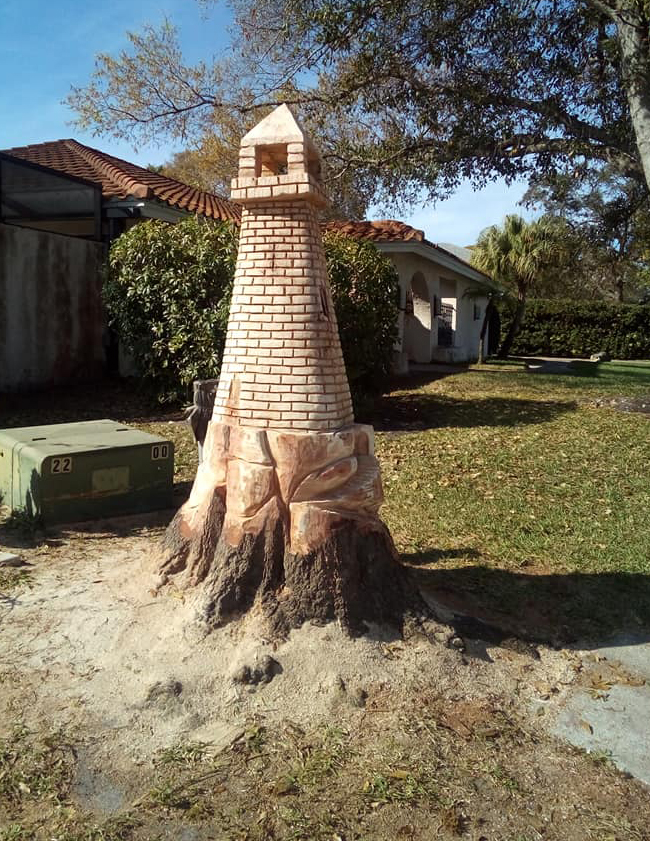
<point x="517" y="255"/>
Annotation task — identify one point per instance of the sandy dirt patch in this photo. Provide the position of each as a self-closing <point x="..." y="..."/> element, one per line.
<point x="87" y="650"/>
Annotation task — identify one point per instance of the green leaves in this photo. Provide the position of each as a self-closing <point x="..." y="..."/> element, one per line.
<point x="580" y="328"/>
<point x="168" y="293"/>
<point x="519" y="253"/>
<point x="168" y="290"/>
<point x="365" y="288"/>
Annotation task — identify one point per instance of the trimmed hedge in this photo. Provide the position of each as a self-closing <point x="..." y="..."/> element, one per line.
<point x="167" y="292"/>
<point x="573" y="328"/>
<point x="365" y="291"/>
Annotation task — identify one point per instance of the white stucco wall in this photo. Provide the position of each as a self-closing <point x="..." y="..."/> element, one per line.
<point x="467" y="328"/>
<point x="446" y="285"/>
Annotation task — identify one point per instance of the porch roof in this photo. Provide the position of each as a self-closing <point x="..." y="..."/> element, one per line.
<point x="392" y="235"/>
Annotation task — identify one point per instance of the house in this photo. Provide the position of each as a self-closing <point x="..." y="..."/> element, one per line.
<point x="442" y="297"/>
<point x="63" y="203"/>
<point x="127" y="192"/>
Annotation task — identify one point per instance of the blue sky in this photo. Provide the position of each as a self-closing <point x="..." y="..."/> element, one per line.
<point x="46" y="46"/>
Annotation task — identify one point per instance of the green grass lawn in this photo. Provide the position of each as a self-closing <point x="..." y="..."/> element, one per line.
<point x="522" y="471"/>
<point x="528" y="493"/>
<point x="519" y="497"/>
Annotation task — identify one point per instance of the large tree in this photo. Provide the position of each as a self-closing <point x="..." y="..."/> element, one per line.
<point x="409" y="95"/>
<point x="148" y="93"/>
<point x="608" y="227"/>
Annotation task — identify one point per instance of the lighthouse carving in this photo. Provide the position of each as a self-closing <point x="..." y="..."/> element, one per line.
<point x="283" y="514"/>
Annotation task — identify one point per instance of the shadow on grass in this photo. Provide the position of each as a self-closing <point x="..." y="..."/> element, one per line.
<point x="577" y="373"/>
<point x="557" y="609"/>
<point x="412" y="412"/>
<point x="624" y="372"/>
<point x="433" y="556"/>
<point x="121" y="400"/>
<point x="569" y="369"/>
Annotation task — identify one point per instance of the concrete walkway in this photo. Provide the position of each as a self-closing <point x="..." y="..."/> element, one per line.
<point x="607" y="711"/>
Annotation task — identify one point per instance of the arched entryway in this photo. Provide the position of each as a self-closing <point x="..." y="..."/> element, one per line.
<point x="417" y="324"/>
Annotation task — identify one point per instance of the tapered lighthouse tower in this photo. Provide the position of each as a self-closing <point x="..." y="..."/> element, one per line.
<point x="283" y="514"/>
<point x="282" y="366"/>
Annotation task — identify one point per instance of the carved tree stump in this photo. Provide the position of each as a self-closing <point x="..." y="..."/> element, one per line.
<point x="287" y="524"/>
<point x="283" y="514"/>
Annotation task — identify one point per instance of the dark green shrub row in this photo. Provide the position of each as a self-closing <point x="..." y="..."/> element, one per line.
<point x="365" y="289"/>
<point x="574" y="328"/>
<point x="168" y="289"/>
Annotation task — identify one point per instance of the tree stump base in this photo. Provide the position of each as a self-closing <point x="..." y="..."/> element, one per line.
<point x="286" y="524"/>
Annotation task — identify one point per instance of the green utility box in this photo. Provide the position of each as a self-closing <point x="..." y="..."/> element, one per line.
<point x="83" y="471"/>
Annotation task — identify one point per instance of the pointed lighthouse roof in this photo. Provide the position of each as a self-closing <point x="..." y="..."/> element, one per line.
<point x="280" y="126"/>
<point x="278" y="160"/>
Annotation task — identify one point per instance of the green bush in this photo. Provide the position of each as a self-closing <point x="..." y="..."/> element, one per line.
<point x="365" y="289"/>
<point x="576" y="328"/>
<point x="168" y="291"/>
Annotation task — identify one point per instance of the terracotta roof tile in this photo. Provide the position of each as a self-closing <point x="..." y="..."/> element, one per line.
<point x="391" y="230"/>
<point x="385" y="230"/>
<point x="120" y="179"/>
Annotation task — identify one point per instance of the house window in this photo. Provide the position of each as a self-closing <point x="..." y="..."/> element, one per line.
<point x="477" y="312"/>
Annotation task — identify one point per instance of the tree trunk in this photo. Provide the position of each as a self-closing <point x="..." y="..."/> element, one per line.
<point x="286" y="524"/>
<point x="620" y="286"/>
<point x="632" y="28"/>
<point x="481" y="339"/>
<point x="515" y="326"/>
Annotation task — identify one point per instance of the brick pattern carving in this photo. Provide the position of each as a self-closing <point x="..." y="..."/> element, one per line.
<point x="283" y="513"/>
<point x="282" y="366"/>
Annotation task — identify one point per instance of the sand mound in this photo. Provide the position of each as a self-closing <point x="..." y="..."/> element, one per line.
<point x="97" y="652"/>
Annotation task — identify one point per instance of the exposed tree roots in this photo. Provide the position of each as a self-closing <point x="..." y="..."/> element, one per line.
<point x="354" y="577"/>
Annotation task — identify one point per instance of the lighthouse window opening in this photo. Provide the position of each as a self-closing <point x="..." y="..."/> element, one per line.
<point x="314" y="166"/>
<point x="271" y="160"/>
<point x="324" y="305"/>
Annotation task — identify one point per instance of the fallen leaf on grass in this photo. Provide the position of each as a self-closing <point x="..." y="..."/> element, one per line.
<point x="630" y="680"/>
<point x="469" y="718"/>
<point x="454" y="820"/>
<point x="598" y="694"/>
<point x="621" y="675"/>
<point x="487" y="732"/>
<point x="284" y="786"/>
<point x="600" y="684"/>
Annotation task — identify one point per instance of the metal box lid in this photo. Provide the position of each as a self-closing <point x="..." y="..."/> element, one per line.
<point x="73" y="471"/>
<point x="82" y="437"/>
